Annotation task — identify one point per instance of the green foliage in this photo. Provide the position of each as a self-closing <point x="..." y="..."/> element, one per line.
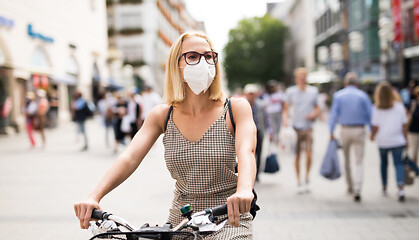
<point x="255" y="51"/>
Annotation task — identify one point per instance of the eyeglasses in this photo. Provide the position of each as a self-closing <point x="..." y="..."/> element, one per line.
<point x="193" y="58"/>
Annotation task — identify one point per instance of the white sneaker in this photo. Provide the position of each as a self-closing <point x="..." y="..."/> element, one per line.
<point x="307" y="188"/>
<point x="300" y="189"/>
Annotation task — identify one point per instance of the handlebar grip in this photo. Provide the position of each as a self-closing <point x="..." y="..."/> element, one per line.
<point x="97" y="214"/>
<point x="219" y="210"/>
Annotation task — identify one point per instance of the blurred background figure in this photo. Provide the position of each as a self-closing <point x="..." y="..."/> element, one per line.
<point x="274" y="101"/>
<point x="149" y="99"/>
<point x="120" y="113"/>
<point x="389" y="129"/>
<point x="351" y="108"/>
<point x="106" y="111"/>
<point x="53" y="109"/>
<point x="407" y="93"/>
<point x="30" y="110"/>
<point x="323" y="101"/>
<point x="133" y="113"/>
<point x="41" y="116"/>
<point x="80" y="113"/>
<point x="260" y="117"/>
<point x="303" y="100"/>
<point x="413" y="124"/>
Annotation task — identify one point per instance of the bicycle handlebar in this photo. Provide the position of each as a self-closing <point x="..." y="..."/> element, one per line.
<point x="219" y="210"/>
<point x="99" y="215"/>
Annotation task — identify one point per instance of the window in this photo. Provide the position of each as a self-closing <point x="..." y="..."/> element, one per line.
<point x="130" y="20"/>
<point x="40" y="58"/>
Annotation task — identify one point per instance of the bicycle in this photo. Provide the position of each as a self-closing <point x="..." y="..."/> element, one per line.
<point x="202" y="223"/>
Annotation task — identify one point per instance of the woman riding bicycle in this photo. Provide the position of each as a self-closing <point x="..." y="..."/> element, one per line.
<point x="201" y="141"/>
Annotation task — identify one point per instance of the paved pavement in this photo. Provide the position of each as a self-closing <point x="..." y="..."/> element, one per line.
<point x="39" y="186"/>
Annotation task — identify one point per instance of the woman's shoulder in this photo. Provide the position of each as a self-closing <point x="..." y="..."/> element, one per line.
<point x="240" y="105"/>
<point x="160" y="110"/>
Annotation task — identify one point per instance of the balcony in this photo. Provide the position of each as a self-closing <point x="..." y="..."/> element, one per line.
<point x="135" y="63"/>
<point x="131" y="31"/>
<point x="130" y="1"/>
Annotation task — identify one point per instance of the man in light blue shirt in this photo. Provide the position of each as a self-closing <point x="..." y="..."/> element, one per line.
<point x="351" y="108"/>
<point x="303" y="100"/>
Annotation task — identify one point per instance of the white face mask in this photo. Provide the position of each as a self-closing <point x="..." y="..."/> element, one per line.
<point x="200" y="76"/>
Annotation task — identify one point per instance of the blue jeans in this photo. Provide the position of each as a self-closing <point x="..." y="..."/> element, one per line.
<point x="398" y="164"/>
<point x="81" y="129"/>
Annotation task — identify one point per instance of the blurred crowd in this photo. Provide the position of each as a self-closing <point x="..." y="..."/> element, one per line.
<point x="284" y="119"/>
<point x="121" y="113"/>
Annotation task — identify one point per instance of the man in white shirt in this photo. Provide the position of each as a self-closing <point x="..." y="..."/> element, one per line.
<point x="149" y="100"/>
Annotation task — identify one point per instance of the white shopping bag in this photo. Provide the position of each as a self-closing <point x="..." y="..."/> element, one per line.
<point x="287" y="139"/>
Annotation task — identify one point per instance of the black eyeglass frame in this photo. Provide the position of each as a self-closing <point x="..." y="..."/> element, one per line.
<point x="200" y="56"/>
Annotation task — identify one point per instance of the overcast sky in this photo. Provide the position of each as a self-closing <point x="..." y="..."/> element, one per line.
<point x="222" y="15"/>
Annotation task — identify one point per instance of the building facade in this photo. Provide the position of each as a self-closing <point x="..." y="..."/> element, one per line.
<point x="410" y="13"/>
<point x="55" y="45"/>
<point x="299" y="47"/>
<point x="142" y="31"/>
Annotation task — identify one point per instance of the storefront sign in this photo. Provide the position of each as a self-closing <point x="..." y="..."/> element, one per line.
<point x="416" y="16"/>
<point x="6" y="22"/>
<point x="34" y="34"/>
<point x="397" y="19"/>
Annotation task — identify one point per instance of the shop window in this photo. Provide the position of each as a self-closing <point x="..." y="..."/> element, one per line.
<point x="40" y="58"/>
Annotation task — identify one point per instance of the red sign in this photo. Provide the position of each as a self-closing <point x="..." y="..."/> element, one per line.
<point x="397" y="18"/>
<point x="416" y="16"/>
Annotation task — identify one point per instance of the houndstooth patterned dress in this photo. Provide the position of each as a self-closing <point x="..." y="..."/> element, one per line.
<point x="205" y="173"/>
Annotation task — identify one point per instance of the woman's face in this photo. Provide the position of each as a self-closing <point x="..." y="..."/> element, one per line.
<point x="193" y="43"/>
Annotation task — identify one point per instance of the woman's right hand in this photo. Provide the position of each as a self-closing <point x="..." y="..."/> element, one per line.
<point x="84" y="210"/>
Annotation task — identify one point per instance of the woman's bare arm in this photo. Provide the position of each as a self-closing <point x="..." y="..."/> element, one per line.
<point x="126" y="163"/>
<point x="245" y="137"/>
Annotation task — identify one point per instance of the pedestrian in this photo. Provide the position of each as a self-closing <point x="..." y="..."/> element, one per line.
<point x="351" y="108"/>
<point x="31" y="108"/>
<point x="121" y="128"/>
<point x="41" y="114"/>
<point x="303" y="99"/>
<point x="134" y="114"/>
<point x="413" y="134"/>
<point x="80" y="113"/>
<point x="199" y="139"/>
<point x="323" y="101"/>
<point x="389" y="130"/>
<point x="261" y="119"/>
<point x="274" y="101"/>
<point x="105" y="107"/>
<point x="53" y="109"/>
<point x="149" y="99"/>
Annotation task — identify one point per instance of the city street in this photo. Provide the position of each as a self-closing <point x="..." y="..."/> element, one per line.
<point x="39" y="186"/>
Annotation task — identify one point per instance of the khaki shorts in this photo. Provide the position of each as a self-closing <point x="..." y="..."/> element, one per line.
<point x="304" y="140"/>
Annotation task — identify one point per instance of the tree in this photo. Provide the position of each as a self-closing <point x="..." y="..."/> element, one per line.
<point x="255" y="51"/>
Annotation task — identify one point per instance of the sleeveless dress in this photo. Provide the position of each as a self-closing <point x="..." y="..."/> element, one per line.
<point x="205" y="173"/>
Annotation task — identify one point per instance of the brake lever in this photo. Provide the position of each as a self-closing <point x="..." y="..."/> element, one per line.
<point x="204" y="224"/>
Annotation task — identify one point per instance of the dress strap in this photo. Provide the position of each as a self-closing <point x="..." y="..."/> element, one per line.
<point x="168" y="117"/>
<point x="230" y="112"/>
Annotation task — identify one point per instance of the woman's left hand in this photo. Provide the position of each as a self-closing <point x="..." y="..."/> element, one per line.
<point x="238" y="203"/>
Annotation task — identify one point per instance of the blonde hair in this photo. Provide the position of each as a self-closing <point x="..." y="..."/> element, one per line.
<point x="384" y="96"/>
<point x="300" y="70"/>
<point x="174" y="90"/>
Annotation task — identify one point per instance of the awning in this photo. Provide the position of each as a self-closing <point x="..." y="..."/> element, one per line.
<point x="64" y="78"/>
<point x="321" y="77"/>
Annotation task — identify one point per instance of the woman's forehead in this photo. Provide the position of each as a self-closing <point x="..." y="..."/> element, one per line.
<point x="195" y="43"/>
